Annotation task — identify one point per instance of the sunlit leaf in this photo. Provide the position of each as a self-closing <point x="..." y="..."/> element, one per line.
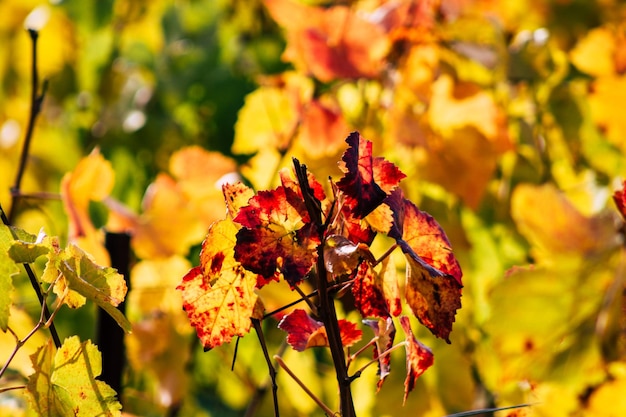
<point x="218" y="295"/>
<point x="102" y="285"/>
<point x="333" y="42"/>
<point x="91" y="180"/>
<point x="594" y="53"/>
<point x="155" y="233"/>
<point x="236" y="196"/>
<point x="418" y="357"/>
<point x="200" y="175"/>
<point x="367" y="179"/>
<point x="369" y="298"/>
<point x="64" y="382"/>
<point x="568" y="234"/>
<point x="276" y="235"/>
<point x="385" y="332"/>
<point x="304" y="332"/>
<point x="433" y="286"/>
<point x="418" y="233"/>
<point x="8" y="268"/>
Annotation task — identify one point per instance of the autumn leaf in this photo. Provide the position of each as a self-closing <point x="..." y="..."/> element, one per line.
<point x="418" y="357"/>
<point x="619" y="197"/>
<point x="568" y="235"/>
<point x="236" y="196"/>
<point x="304" y="332"/>
<point x="333" y="42"/>
<point x="433" y="297"/>
<point x="200" y="175"/>
<point x="276" y="235"/>
<point x="91" y="180"/>
<point x="64" y="382"/>
<point x="385" y="333"/>
<point x="367" y="179"/>
<point x="75" y="275"/>
<point x="8" y="268"/>
<point x="218" y="295"/>
<point x="322" y="128"/>
<point x="369" y="298"/>
<point x="433" y="287"/>
<point x="418" y="232"/>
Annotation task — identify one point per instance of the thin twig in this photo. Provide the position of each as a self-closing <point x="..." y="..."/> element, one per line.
<point x="272" y="371"/>
<point x="314" y="397"/>
<point x="35" y="108"/>
<point x="358" y="373"/>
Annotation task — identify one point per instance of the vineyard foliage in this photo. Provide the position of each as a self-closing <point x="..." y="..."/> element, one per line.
<point x="178" y="122"/>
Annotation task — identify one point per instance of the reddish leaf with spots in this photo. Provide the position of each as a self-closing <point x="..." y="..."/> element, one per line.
<point x="305" y="332"/>
<point x="276" y="236"/>
<point x="418" y="357"/>
<point x="369" y="298"/>
<point x="218" y="295"/>
<point x="433" y="277"/>
<point x="367" y="179"/>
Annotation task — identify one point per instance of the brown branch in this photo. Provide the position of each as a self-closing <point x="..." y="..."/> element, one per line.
<point x="326" y="307"/>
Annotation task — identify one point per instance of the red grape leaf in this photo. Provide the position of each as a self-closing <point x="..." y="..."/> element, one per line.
<point x="620" y="200"/>
<point x="433" y="299"/>
<point x="305" y="332"/>
<point x="276" y="235"/>
<point x="418" y="232"/>
<point x="433" y="288"/>
<point x="288" y="181"/>
<point x="369" y="298"/>
<point x="236" y="196"/>
<point x="418" y="357"/>
<point x="385" y="331"/>
<point x="218" y="295"/>
<point x="367" y="180"/>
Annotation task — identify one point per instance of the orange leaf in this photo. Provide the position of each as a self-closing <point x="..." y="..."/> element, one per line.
<point x="91" y="180"/>
<point x="218" y="296"/>
<point x="332" y="42"/>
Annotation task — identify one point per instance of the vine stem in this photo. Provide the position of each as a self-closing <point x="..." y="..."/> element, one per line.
<point x="36" y="101"/>
<point x="326" y="307"/>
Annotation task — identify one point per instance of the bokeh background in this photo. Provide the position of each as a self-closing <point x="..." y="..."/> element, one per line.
<point x="507" y="117"/>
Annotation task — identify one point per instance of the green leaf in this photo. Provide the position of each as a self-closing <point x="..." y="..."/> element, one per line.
<point x="28" y="248"/>
<point x="103" y="285"/>
<point x="8" y="268"/>
<point x="64" y="383"/>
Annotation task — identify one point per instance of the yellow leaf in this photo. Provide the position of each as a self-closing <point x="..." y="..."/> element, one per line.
<point x="448" y="113"/>
<point x="555" y="228"/>
<point x="605" y="102"/>
<point x="593" y="54"/>
<point x="270" y="115"/>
